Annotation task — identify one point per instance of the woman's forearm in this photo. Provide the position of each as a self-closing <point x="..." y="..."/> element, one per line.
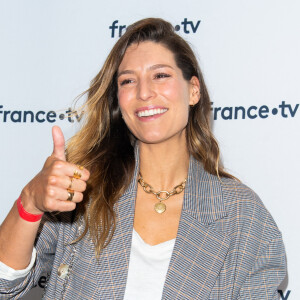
<point x="17" y="238"/>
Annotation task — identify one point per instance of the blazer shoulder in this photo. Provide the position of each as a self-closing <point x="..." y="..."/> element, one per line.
<point x="243" y="204"/>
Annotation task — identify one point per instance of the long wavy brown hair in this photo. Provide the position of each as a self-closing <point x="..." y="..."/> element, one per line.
<point x="104" y="144"/>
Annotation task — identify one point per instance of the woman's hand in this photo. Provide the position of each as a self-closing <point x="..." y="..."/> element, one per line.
<point x="48" y="190"/>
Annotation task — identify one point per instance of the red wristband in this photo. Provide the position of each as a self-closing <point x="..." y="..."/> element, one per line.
<point x="26" y="215"/>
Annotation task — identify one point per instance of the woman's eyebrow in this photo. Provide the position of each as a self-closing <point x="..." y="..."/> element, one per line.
<point x="158" y="66"/>
<point x="125" y="72"/>
<point x="151" y="68"/>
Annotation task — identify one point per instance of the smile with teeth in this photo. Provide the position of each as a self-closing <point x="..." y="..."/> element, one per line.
<point x="151" y="112"/>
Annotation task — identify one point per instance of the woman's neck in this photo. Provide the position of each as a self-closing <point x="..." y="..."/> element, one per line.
<point x="164" y="165"/>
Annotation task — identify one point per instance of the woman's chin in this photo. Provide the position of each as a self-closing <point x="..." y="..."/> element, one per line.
<point x="157" y="139"/>
<point x="152" y="139"/>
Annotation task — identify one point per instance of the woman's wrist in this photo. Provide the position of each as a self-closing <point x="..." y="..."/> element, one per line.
<point x="25" y="215"/>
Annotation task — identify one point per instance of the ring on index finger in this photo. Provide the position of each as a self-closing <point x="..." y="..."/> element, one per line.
<point x="77" y="174"/>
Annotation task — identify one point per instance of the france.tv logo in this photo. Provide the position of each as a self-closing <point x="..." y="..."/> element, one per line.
<point x="41" y="116"/>
<point x="186" y="26"/>
<point x="284" y="110"/>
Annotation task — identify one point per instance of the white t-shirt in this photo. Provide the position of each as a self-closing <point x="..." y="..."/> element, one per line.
<point x="148" y="268"/>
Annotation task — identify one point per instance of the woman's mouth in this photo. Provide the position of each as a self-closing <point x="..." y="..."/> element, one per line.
<point x="151" y="112"/>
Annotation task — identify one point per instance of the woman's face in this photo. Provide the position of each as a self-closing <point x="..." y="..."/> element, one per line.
<point x="153" y="95"/>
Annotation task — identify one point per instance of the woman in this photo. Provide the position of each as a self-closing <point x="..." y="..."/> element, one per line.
<point x="156" y="216"/>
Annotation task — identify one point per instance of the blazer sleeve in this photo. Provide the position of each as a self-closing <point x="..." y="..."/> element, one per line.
<point x="45" y="247"/>
<point x="267" y="273"/>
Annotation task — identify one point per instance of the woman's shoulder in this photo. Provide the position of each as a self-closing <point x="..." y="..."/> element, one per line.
<point x="235" y="204"/>
<point x="236" y="191"/>
<point x="244" y="205"/>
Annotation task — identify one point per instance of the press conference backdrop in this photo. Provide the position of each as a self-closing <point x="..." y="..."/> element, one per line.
<point x="249" y="54"/>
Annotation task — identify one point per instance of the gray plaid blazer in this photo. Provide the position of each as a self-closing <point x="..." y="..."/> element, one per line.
<point x="227" y="247"/>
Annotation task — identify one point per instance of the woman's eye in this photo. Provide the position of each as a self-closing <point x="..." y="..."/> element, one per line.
<point x="161" y="75"/>
<point x="126" y="81"/>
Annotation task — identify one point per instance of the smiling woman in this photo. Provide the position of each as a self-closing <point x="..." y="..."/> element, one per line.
<point x="153" y="95"/>
<point x="151" y="213"/>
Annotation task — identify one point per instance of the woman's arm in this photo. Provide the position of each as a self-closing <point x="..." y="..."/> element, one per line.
<point x="17" y="237"/>
<point x="46" y="192"/>
<point x="267" y="273"/>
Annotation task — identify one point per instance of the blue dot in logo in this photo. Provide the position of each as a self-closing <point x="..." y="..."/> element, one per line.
<point x="274" y="111"/>
<point x="177" y="28"/>
<point x="61" y="116"/>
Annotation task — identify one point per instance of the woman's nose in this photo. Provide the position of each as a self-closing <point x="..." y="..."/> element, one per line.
<point x="145" y="90"/>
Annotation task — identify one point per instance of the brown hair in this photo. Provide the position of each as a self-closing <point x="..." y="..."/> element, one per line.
<point x="104" y="143"/>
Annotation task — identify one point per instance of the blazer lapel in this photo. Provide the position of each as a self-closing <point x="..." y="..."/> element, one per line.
<point x="199" y="250"/>
<point x="114" y="263"/>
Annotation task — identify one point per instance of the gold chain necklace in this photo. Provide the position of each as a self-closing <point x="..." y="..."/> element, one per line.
<point x="160" y="207"/>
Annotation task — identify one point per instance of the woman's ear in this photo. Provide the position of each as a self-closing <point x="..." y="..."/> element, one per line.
<point x="195" y="94"/>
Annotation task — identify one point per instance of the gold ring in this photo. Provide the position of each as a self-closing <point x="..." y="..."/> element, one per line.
<point x="70" y="196"/>
<point x="77" y="174"/>
<point x="71" y="183"/>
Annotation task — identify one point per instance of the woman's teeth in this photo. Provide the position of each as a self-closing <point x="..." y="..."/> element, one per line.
<point x="151" y="112"/>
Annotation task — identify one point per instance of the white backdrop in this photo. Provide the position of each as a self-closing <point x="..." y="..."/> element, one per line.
<point x="249" y="54"/>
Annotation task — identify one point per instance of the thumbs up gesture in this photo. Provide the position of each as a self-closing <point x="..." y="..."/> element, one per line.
<point x="58" y="143"/>
<point x="56" y="183"/>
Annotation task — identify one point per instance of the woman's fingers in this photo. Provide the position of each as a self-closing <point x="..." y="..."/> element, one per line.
<point x="60" y="206"/>
<point x="55" y="199"/>
<point x="63" y="168"/>
<point x="63" y="182"/>
<point x="74" y="184"/>
<point x="59" y="194"/>
<point x="67" y="182"/>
